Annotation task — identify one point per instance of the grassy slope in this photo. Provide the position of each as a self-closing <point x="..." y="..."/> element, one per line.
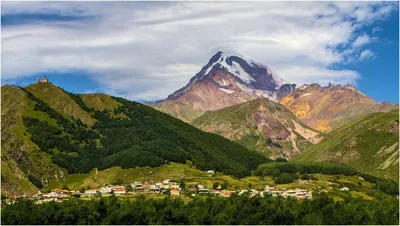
<point x="177" y="110"/>
<point x="102" y="102"/>
<point x="20" y="156"/>
<point x="60" y="101"/>
<point x="99" y="101"/>
<point x="357" y="144"/>
<point x="238" y="124"/>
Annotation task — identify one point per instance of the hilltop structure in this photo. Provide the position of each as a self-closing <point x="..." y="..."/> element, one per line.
<point x="45" y="80"/>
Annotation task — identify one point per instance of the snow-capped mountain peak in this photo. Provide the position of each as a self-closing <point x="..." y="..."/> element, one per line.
<point x="238" y="78"/>
<point x="246" y="70"/>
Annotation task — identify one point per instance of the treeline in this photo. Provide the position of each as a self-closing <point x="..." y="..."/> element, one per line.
<point x="287" y="172"/>
<point x="276" y="168"/>
<point x="236" y="210"/>
<point x="146" y="137"/>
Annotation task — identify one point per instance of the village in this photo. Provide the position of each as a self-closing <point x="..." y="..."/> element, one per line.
<point x="166" y="187"/>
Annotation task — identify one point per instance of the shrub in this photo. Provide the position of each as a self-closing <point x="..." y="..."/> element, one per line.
<point x="284" y="178"/>
<point x="305" y="177"/>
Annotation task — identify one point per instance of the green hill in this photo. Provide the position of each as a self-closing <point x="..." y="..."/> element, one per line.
<point x="61" y="101"/>
<point x="48" y="132"/>
<point x="261" y="125"/>
<point x="370" y="144"/>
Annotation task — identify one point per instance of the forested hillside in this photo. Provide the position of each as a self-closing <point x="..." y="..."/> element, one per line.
<point x="123" y="133"/>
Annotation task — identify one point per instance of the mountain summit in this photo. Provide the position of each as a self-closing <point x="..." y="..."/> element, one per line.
<point x="231" y="79"/>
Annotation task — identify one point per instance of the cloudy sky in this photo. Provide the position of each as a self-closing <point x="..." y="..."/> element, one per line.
<point x="147" y="50"/>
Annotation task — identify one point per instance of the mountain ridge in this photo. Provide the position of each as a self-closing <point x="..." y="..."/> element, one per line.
<point x="327" y="107"/>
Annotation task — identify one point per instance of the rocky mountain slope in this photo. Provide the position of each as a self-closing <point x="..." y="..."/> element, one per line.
<point x="229" y="79"/>
<point x="370" y="144"/>
<point x="48" y="133"/>
<point x="261" y="125"/>
<point x="326" y="108"/>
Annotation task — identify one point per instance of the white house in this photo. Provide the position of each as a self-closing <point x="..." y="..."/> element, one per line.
<point x="91" y="191"/>
<point x="166" y="181"/>
<point x="344" y="189"/>
<point x="211" y="173"/>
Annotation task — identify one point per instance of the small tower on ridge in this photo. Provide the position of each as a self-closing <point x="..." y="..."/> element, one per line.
<point x="45" y="80"/>
<point x="37" y="80"/>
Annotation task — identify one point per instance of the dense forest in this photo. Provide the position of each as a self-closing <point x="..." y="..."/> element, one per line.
<point x="242" y="210"/>
<point x="142" y="137"/>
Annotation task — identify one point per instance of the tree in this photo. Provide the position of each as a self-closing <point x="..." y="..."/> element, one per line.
<point x="182" y="185"/>
<point x="280" y="160"/>
<point x="215" y="185"/>
<point x="3" y="198"/>
<point x="284" y="178"/>
<point x="117" y="182"/>
<point x="305" y="177"/>
<point x="250" y="186"/>
<point x="224" y="185"/>
<point x="388" y="187"/>
<point x="82" y="190"/>
<point x="129" y="187"/>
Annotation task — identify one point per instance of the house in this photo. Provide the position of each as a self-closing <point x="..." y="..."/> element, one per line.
<point x="105" y="190"/>
<point x="51" y="195"/>
<point x="175" y="191"/>
<point x="216" y="191"/>
<point x="226" y="193"/>
<point x="344" y="189"/>
<point x="136" y="185"/>
<point x="204" y="191"/>
<point x="154" y="190"/>
<point x="200" y="186"/>
<point x="243" y="192"/>
<point x="166" y="181"/>
<point x="91" y="191"/>
<point x="119" y="189"/>
<point x="57" y="190"/>
<point x="211" y="173"/>
<point x="301" y="196"/>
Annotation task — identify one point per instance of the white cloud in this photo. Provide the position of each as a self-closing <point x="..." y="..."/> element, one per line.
<point x="362" y="40"/>
<point x="376" y="29"/>
<point x="147" y="50"/>
<point x="366" y="54"/>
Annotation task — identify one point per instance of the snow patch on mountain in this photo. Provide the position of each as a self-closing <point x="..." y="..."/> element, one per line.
<point x="304" y="95"/>
<point x="227" y="90"/>
<point x="238" y="71"/>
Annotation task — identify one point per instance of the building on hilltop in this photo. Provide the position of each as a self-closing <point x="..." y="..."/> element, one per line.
<point x="45" y="80"/>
